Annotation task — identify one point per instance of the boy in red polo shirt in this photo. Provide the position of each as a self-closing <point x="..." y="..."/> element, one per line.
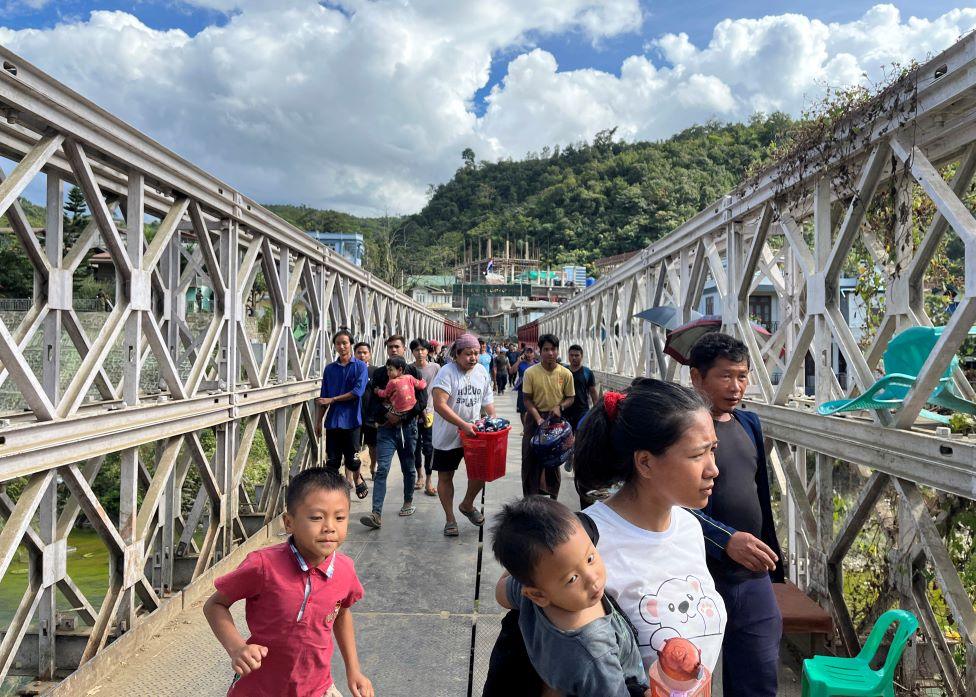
<point x="296" y="593"/>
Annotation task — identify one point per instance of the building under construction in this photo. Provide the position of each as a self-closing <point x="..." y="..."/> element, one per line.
<point x="479" y="259"/>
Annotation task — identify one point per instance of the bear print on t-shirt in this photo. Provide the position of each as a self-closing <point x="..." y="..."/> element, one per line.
<point x="679" y="608"/>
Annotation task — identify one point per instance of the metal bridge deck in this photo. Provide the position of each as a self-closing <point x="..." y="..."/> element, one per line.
<point x="426" y="625"/>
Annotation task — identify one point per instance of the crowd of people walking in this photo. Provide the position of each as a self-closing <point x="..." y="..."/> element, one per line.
<point x="665" y="567"/>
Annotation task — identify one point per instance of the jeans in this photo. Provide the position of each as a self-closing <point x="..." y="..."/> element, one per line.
<point x="401" y="440"/>
<point x="425" y="448"/>
<point x="750" y="649"/>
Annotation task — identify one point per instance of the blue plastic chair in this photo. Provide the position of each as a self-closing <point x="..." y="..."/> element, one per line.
<point x="903" y="360"/>
<point x="825" y="676"/>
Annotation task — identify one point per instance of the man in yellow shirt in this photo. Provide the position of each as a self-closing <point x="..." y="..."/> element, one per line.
<point x="547" y="389"/>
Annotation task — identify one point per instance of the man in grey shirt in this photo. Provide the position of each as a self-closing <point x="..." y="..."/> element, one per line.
<point x="421" y="348"/>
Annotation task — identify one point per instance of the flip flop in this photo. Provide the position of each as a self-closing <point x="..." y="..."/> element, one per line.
<point x="474" y="515"/>
<point x="451" y="530"/>
<point x="362" y="491"/>
<point x="407" y="509"/>
<point x="430" y="492"/>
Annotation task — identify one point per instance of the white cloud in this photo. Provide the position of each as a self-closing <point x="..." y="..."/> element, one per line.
<point x="779" y="62"/>
<point x="359" y="104"/>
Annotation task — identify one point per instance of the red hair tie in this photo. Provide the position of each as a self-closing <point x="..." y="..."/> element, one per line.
<point x="611" y="402"/>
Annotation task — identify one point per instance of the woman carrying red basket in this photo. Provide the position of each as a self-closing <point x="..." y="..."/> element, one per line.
<point x="461" y="391"/>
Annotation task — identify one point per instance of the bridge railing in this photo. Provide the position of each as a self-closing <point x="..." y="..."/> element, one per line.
<point x="165" y="406"/>
<point x="793" y="227"/>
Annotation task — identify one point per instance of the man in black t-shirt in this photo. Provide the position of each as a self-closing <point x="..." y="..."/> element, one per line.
<point x="396" y="434"/>
<point x="367" y="431"/>
<point x="585" y="384"/>
<point x="740" y="500"/>
<point x="500" y="361"/>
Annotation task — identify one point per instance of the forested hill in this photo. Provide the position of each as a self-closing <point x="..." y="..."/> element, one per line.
<point x="577" y="203"/>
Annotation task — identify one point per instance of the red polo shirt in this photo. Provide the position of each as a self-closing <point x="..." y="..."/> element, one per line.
<point x="290" y="609"/>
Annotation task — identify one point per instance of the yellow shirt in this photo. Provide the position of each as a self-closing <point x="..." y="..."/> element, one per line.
<point x="547" y="389"/>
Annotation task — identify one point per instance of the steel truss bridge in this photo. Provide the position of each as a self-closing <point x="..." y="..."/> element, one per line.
<point x="793" y="226"/>
<point x="177" y="398"/>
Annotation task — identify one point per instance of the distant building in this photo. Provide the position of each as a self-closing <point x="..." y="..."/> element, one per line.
<point x="351" y="245"/>
<point x="437" y="293"/>
<point x="433" y="291"/>
<point x="521" y="312"/>
<point x="605" y="265"/>
<point x="574" y="275"/>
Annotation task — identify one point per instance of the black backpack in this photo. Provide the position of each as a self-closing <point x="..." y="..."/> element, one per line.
<point x="510" y="672"/>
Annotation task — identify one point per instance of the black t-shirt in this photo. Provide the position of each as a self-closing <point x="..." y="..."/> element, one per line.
<point x="367" y="400"/>
<point x="583" y="380"/>
<point x="735" y="498"/>
<point x="501" y="363"/>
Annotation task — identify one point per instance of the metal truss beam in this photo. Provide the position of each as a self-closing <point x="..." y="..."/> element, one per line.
<point x="162" y="368"/>
<point x="792" y="227"/>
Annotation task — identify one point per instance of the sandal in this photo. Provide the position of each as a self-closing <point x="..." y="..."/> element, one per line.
<point x="362" y="491"/>
<point x="430" y="491"/>
<point x="451" y="530"/>
<point x="407" y="509"/>
<point x="474" y="515"/>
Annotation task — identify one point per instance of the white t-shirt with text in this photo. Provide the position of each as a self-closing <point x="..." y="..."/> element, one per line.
<point x="661" y="582"/>
<point x="467" y="394"/>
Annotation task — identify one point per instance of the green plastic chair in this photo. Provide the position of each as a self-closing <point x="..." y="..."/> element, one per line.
<point x="903" y="360"/>
<point x="824" y="676"/>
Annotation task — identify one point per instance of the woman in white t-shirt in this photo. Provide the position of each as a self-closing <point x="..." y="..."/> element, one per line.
<point x="461" y="392"/>
<point x="657" y="440"/>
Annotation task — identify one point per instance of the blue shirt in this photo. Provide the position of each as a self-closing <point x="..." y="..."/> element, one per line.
<point x="485" y="360"/>
<point x="339" y="379"/>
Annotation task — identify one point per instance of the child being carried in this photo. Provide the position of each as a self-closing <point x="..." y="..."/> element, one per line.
<point x="399" y="393"/>
<point x="577" y="640"/>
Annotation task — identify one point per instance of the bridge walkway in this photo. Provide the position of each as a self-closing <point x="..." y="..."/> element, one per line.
<point x="425" y="626"/>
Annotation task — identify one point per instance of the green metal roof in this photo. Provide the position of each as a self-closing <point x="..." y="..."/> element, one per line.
<point x="431" y="281"/>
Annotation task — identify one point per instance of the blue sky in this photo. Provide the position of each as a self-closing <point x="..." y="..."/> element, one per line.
<point x="361" y="104"/>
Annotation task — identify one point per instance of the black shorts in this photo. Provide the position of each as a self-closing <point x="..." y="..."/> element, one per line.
<point x="368" y="434"/>
<point x="447" y="460"/>
<point x="341" y="446"/>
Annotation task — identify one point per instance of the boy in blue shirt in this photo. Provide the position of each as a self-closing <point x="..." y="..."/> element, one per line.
<point x="343" y="385"/>
<point x="577" y="640"/>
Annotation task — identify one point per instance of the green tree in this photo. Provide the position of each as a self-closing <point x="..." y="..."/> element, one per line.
<point x="76" y="215"/>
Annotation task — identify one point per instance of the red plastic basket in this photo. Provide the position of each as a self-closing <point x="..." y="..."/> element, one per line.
<point x="485" y="453"/>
